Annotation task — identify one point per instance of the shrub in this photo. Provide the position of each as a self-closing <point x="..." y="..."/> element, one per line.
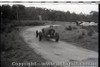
<point x="90" y="33"/>
<point x="80" y="36"/>
<point x="83" y="33"/>
<point x="69" y="28"/>
<point x="74" y="28"/>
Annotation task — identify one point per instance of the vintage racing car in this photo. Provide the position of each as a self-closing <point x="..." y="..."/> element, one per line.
<point x="47" y="33"/>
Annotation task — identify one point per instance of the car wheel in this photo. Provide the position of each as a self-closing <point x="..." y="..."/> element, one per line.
<point x="57" y="37"/>
<point x="40" y="36"/>
<point x="36" y="34"/>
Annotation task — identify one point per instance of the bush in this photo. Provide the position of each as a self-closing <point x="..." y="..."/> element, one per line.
<point x="88" y="28"/>
<point x="23" y="23"/>
<point x="69" y="28"/>
<point x="83" y="33"/>
<point x="90" y="33"/>
<point x="80" y="36"/>
<point x="74" y="28"/>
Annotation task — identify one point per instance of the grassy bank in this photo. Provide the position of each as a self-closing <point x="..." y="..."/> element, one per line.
<point x="14" y="49"/>
<point x="86" y="37"/>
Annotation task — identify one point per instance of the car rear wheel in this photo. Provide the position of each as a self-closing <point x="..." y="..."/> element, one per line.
<point x="57" y="37"/>
<point x="36" y="33"/>
<point x="40" y="36"/>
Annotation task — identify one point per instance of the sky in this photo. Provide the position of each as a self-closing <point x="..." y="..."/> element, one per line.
<point x="77" y="8"/>
<point x="48" y="0"/>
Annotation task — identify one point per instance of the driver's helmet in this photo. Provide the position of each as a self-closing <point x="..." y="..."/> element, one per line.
<point x="51" y="26"/>
<point x="51" y="30"/>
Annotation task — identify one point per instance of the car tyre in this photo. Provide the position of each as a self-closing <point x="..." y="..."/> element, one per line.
<point x="57" y="37"/>
<point x="37" y="34"/>
<point x="40" y="36"/>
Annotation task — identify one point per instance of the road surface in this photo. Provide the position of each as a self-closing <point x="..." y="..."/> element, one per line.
<point x="57" y="52"/>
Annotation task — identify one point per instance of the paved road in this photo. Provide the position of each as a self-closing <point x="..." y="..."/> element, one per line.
<point x="58" y="52"/>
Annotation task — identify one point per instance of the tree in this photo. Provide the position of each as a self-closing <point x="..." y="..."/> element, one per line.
<point x="6" y="12"/>
<point x="74" y="17"/>
<point x="94" y="16"/>
<point x="68" y="16"/>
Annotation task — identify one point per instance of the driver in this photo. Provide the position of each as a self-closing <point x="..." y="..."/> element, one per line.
<point x="49" y="30"/>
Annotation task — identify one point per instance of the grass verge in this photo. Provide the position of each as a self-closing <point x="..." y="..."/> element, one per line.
<point x="85" y="37"/>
